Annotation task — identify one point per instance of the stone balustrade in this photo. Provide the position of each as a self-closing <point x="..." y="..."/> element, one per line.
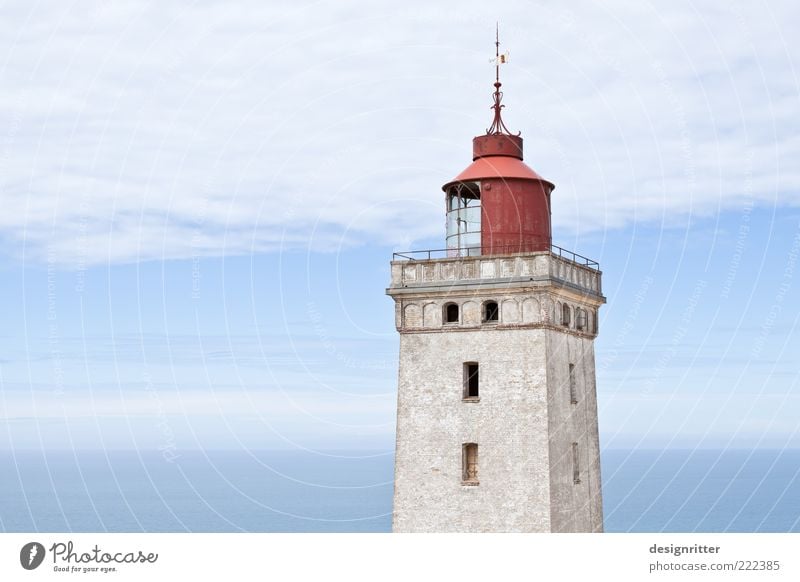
<point x="501" y="268"/>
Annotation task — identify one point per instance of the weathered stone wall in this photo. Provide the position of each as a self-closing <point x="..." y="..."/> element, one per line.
<point x="574" y="507"/>
<point x="509" y="423"/>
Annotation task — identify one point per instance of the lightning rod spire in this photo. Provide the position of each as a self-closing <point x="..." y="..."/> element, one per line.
<point x="498" y="126"/>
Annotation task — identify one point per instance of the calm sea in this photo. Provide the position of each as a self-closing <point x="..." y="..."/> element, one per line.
<point x="224" y="491"/>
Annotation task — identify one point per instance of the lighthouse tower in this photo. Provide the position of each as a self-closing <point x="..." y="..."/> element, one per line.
<point x="497" y="410"/>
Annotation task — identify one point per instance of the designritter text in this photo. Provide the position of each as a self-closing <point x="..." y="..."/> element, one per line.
<point x="678" y="550"/>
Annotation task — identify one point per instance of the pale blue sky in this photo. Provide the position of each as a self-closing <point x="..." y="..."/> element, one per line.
<point x="200" y="203"/>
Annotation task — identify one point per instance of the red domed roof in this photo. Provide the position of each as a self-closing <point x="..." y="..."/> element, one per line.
<point x="497" y="167"/>
<point x="498" y="153"/>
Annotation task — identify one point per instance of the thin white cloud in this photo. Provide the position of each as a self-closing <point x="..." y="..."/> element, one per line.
<point x="171" y="130"/>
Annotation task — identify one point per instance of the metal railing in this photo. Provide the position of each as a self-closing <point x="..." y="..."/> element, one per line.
<point x="574" y="257"/>
<point x="427" y="255"/>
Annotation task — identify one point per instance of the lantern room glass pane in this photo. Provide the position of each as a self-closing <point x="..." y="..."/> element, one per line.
<point x="464" y="220"/>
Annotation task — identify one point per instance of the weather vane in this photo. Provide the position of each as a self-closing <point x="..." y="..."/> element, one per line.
<point x="497" y="124"/>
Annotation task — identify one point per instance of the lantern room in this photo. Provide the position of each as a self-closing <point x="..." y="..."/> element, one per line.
<point x="497" y="205"/>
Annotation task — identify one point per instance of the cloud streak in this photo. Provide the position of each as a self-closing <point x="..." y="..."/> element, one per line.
<point x="170" y="131"/>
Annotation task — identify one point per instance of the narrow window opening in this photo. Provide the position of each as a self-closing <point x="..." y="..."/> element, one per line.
<point x="573" y="388"/>
<point x="580" y="316"/>
<point x="594" y="321"/>
<point x="576" y="472"/>
<point x="565" y="315"/>
<point x="471" y="381"/>
<point x="451" y="313"/>
<point x="469" y="464"/>
<point x="491" y="311"/>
